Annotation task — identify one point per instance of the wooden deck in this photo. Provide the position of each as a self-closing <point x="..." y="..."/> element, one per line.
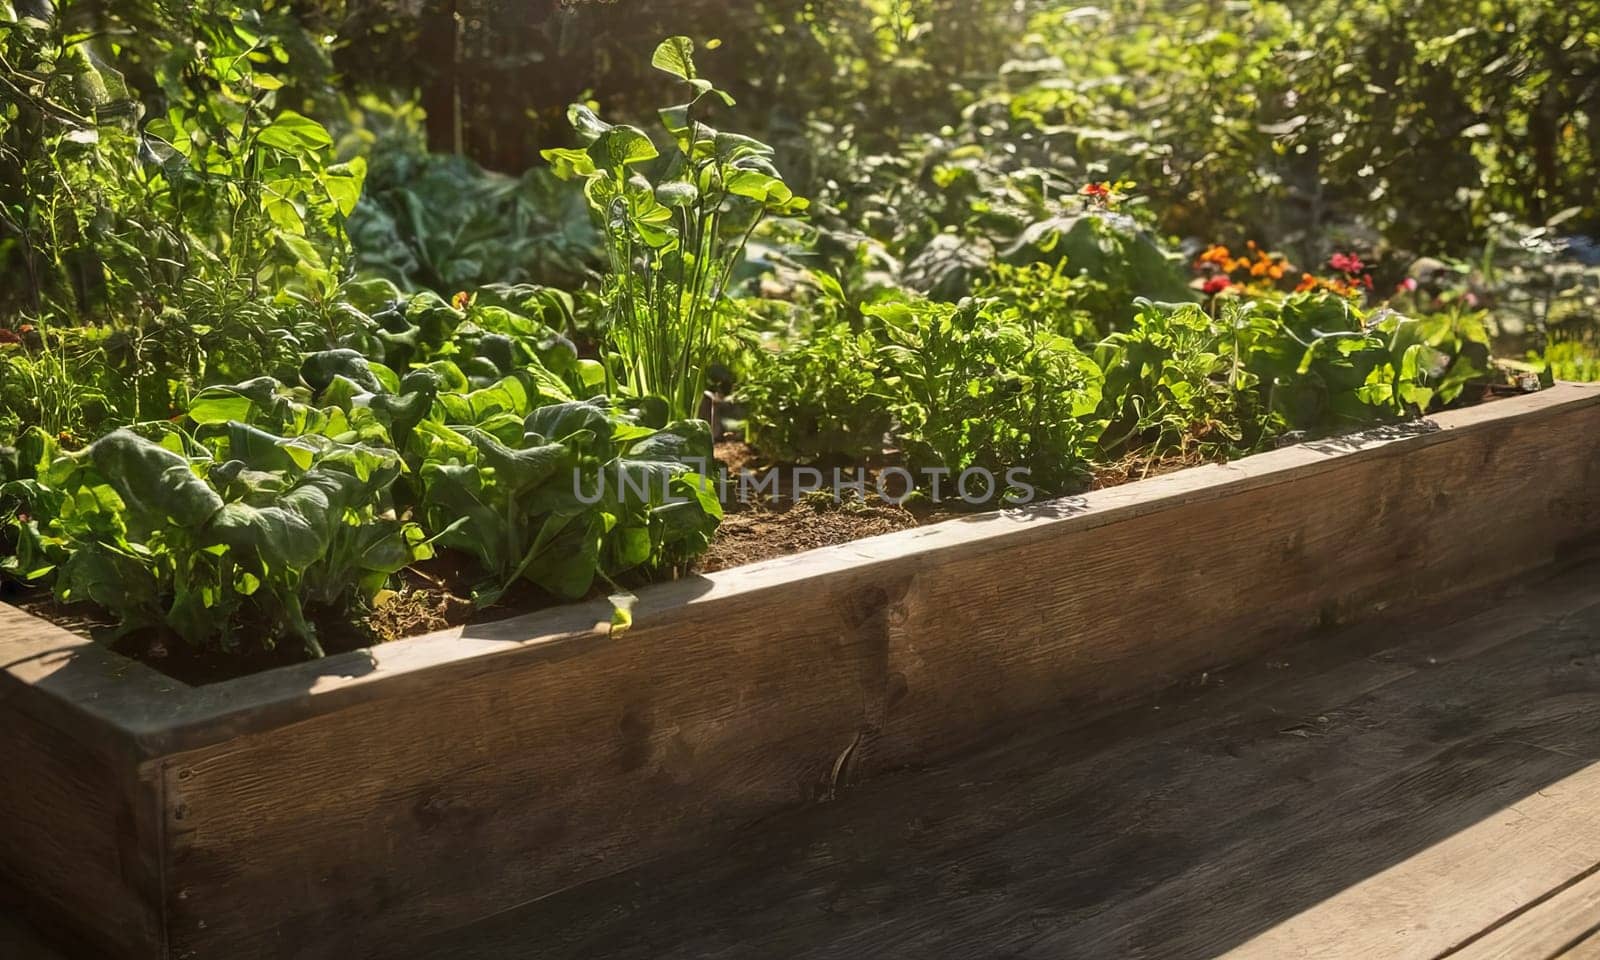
<point x="1425" y="789"/>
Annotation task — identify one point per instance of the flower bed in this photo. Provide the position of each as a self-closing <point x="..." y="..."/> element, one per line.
<point x="355" y="802"/>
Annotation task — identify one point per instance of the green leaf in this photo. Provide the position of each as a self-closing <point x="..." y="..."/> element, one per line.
<point x="295" y="133"/>
<point x="216" y="406"/>
<point x="343" y="183"/>
<point x="675" y="55"/>
<point x="758" y="187"/>
<point x="319" y="369"/>
<point x="676" y="193"/>
<point x="586" y="123"/>
<point x="622" y="146"/>
<point x="584" y="423"/>
<point x="622" y="605"/>
<point x="299" y="529"/>
<point x="154" y="483"/>
<point x="518" y="471"/>
<point x="568" y="163"/>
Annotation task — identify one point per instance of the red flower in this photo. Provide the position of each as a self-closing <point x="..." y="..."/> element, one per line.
<point x="1408" y="285"/>
<point x="1098" y="191"/>
<point x="1215" y="285"/>
<point x="1346" y="263"/>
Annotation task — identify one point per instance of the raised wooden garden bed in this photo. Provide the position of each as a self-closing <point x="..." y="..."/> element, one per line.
<point x="339" y="809"/>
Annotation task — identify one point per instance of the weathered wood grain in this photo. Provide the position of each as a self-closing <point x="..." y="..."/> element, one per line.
<point x="1388" y="796"/>
<point x="1551" y="924"/>
<point x="468" y="798"/>
<point x="1585" y="949"/>
<point x="361" y="801"/>
<point x="18" y="939"/>
<point x="74" y="836"/>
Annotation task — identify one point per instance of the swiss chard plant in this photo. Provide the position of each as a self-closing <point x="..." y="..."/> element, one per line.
<point x="1330" y="365"/>
<point x="675" y="225"/>
<point x="439" y="222"/>
<point x="566" y="494"/>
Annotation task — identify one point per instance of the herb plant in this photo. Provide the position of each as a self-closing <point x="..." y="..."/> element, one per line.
<point x="973" y="386"/>
<point x="820" y="399"/>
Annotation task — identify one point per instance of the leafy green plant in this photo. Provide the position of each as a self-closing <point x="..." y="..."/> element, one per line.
<point x="675" y="228"/>
<point x="503" y="462"/>
<point x="1050" y="296"/>
<point x="972" y="386"/>
<point x="1329" y="366"/>
<point x="1177" y="383"/>
<point x="819" y="399"/>
<point x="215" y="541"/>
<point x="444" y="224"/>
<point x="573" y="491"/>
<point x="1182" y="382"/>
<point x="160" y="242"/>
<point x="1572" y="360"/>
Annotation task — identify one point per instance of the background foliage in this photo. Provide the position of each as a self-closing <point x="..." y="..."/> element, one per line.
<point x="302" y="295"/>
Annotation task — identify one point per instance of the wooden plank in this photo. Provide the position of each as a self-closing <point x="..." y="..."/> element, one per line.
<point x="1419" y="908"/>
<point x="77" y="685"/>
<point x="20" y="942"/>
<point x="1273" y="791"/>
<point x="1496" y="808"/>
<point x="73" y="838"/>
<point x="1549" y="926"/>
<point x="464" y="799"/>
<point x="1585" y="949"/>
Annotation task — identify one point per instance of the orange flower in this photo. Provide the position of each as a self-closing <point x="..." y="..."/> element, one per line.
<point x="1307" y="282"/>
<point x="461" y="300"/>
<point x="1217" y="254"/>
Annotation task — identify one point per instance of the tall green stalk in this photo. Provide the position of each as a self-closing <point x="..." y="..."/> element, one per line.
<point x="676" y="227"/>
